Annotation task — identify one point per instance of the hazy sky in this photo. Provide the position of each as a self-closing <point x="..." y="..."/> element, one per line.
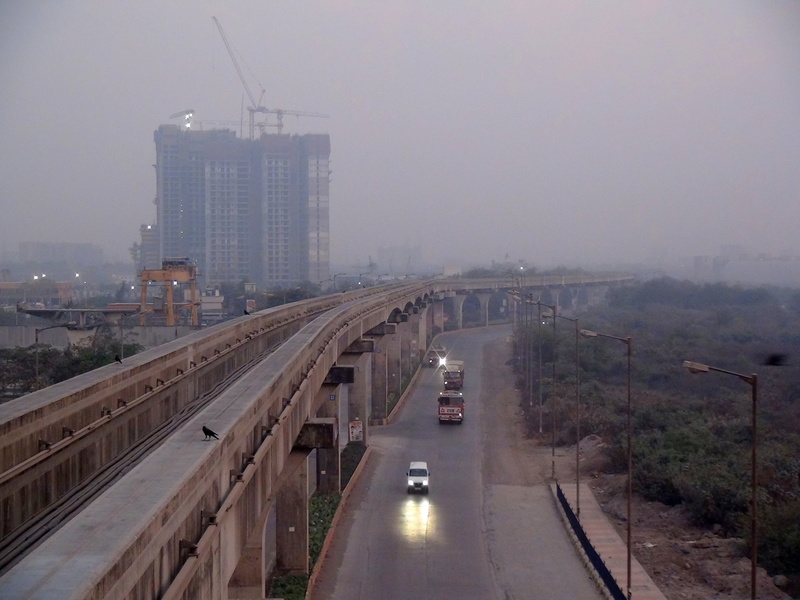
<point x="557" y="132"/>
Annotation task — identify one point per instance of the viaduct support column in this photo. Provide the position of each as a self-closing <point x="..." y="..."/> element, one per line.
<point x="358" y="405"/>
<point x="484" y="297"/>
<point x="419" y="325"/>
<point x="249" y="578"/>
<point x="555" y="294"/>
<point x="437" y="315"/>
<point x="393" y="372"/>
<point x="595" y="294"/>
<point x="458" y="312"/>
<point x="382" y="339"/>
<point x="292" y="517"/>
<point x="405" y="335"/>
<point x="329" y="463"/>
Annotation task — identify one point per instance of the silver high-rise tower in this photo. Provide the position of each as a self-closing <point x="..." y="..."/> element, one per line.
<point x="245" y="210"/>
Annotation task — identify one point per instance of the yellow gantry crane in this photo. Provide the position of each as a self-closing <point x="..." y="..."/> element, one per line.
<point x="172" y="272"/>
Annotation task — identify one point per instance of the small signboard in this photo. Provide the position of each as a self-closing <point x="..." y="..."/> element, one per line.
<point x="356" y="431"/>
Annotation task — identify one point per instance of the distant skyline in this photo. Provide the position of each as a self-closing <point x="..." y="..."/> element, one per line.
<point x="570" y="133"/>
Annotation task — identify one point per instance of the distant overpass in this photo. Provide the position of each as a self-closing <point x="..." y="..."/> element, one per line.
<point x="161" y="513"/>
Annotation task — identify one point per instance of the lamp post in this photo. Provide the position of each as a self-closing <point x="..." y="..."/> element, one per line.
<point x="539" y="337"/>
<point x="37" y="331"/>
<point x="628" y="341"/>
<point x="553" y="386"/>
<point x="577" y="419"/>
<point x="529" y="350"/>
<point x="752" y="381"/>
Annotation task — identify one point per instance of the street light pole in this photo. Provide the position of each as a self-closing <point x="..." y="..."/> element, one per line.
<point x="529" y="309"/>
<point x="752" y="381"/>
<point x="539" y="336"/>
<point x="121" y="337"/>
<point x="628" y="341"/>
<point x="552" y="389"/>
<point x="525" y="334"/>
<point x="577" y="419"/>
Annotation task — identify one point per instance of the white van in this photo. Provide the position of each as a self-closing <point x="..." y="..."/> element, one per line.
<point x="418" y="477"/>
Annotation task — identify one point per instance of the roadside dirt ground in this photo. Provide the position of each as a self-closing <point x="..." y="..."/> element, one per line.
<point x="684" y="561"/>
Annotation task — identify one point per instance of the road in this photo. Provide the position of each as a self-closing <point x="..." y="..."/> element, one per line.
<point x="489" y="529"/>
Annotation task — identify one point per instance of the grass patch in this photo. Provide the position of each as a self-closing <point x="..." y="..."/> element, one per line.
<point x="351" y="457"/>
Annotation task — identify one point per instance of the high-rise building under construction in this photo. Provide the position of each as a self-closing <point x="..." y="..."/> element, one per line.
<point x="254" y="210"/>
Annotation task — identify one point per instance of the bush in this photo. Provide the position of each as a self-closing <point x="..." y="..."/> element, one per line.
<point x="320" y="514"/>
<point x="289" y="587"/>
<point x="692" y="436"/>
<point x="779" y="536"/>
<point x="351" y="457"/>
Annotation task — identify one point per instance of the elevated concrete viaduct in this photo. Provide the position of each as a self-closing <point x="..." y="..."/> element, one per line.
<point x="202" y="518"/>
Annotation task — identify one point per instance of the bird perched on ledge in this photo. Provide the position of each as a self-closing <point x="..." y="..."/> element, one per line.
<point x="209" y="434"/>
<point x="117" y="358"/>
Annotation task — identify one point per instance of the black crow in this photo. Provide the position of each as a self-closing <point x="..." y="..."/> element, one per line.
<point x="246" y="311"/>
<point x="775" y="360"/>
<point x="117" y="358"/>
<point x="209" y="434"/>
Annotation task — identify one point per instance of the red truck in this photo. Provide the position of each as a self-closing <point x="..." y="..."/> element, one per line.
<point x="453" y="375"/>
<point x="451" y="407"/>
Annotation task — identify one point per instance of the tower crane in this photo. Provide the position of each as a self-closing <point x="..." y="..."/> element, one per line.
<point x="279" y="112"/>
<point x="186" y="115"/>
<point x="257" y="107"/>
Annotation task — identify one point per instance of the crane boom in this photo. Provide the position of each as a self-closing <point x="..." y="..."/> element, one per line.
<point x="255" y="106"/>
<point x="279" y="112"/>
<point x="235" y="62"/>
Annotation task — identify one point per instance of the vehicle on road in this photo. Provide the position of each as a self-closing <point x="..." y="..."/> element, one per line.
<point x="418" y="477"/>
<point x="453" y="374"/>
<point x="451" y="407"/>
<point x="435" y="356"/>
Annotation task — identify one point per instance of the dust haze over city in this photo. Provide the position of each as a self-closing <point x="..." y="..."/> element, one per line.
<point x="571" y="133"/>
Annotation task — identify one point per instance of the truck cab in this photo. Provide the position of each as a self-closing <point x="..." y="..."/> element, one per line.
<point x="453" y="375"/>
<point x="418" y="477"/>
<point x="451" y="407"/>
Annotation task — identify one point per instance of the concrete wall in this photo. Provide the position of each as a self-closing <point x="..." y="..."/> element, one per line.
<point x="23" y="336"/>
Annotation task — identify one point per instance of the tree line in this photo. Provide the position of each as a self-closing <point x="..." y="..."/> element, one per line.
<point x="692" y="434"/>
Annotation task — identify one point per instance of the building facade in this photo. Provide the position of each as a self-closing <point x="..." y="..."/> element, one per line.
<point x="253" y="210"/>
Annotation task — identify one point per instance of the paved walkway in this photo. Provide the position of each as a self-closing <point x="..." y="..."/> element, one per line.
<point x="609" y="545"/>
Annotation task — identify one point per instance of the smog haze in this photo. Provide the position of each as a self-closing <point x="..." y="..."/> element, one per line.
<point x="559" y="133"/>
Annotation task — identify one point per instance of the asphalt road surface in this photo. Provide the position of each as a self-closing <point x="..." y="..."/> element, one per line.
<point x="488" y="529"/>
